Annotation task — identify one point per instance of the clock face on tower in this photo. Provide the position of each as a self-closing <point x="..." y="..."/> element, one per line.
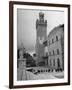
<point x="41" y="40"/>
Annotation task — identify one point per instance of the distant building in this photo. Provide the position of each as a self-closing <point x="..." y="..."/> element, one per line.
<point x="56" y="47"/>
<point x="41" y="34"/>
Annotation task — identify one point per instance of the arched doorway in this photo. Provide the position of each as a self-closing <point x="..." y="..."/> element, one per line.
<point x="58" y="63"/>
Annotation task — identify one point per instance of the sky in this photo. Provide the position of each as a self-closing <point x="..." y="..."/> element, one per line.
<point x="26" y="25"/>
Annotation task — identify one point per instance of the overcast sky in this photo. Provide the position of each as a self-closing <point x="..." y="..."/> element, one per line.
<point x="26" y="25"/>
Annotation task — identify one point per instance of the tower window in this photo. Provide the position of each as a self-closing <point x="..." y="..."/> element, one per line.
<point x="56" y="38"/>
<point x="58" y="51"/>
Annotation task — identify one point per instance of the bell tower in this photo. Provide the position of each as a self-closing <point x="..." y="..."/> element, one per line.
<point x="41" y="36"/>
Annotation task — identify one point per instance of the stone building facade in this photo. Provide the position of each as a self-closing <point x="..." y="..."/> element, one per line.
<point x="41" y="36"/>
<point x="56" y="47"/>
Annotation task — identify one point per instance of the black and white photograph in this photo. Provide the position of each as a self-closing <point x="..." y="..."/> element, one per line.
<point x="40" y="44"/>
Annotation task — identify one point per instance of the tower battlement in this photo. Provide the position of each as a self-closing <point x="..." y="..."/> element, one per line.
<point x="41" y="15"/>
<point x="41" y="21"/>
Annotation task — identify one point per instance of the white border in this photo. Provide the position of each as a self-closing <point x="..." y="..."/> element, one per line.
<point x="31" y="82"/>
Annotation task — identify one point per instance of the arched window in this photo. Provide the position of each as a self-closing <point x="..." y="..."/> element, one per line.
<point x="53" y="52"/>
<point x="58" y="62"/>
<point x="54" y="62"/>
<point x="50" y="63"/>
<point x="52" y="40"/>
<point x="56" y="38"/>
<point x="58" y="51"/>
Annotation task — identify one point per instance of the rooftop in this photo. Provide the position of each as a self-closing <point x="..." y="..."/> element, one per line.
<point x="56" y="29"/>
